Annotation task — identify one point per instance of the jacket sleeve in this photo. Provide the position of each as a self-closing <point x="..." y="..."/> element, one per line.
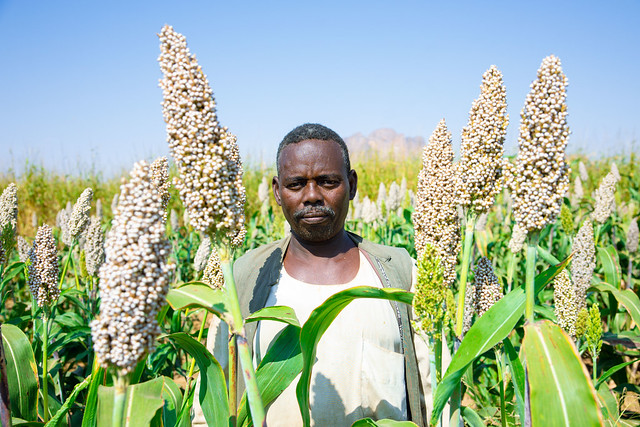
<point x="218" y="345"/>
<point x="424" y="365"/>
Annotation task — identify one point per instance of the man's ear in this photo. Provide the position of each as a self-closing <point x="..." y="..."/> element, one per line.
<point x="275" y="186"/>
<point x="353" y="184"/>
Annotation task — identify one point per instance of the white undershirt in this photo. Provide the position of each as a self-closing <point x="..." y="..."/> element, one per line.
<point x="359" y="369"/>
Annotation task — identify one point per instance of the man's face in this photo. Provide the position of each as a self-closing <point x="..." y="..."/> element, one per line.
<point x="313" y="188"/>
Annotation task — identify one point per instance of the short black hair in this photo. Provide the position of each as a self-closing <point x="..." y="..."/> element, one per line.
<point x="317" y="131"/>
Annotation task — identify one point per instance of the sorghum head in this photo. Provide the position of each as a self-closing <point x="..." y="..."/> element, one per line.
<point x="435" y="218"/>
<point x="160" y="177"/>
<point x="94" y="246"/>
<point x="488" y="289"/>
<point x="578" y="190"/>
<point x="202" y="254"/>
<point x="8" y="219"/>
<point x="541" y="176"/>
<point x="582" y="171"/>
<point x="394" y="197"/>
<point x="43" y="269"/>
<point x="632" y="236"/>
<point x="212" y="275"/>
<point x="430" y="292"/>
<point x="518" y="237"/>
<point x="604" y="198"/>
<point x="206" y="154"/>
<point x="23" y="249"/>
<point x="566" y="307"/>
<point x="479" y="175"/>
<point x="79" y="217"/>
<point x="583" y="262"/>
<point x="134" y="278"/>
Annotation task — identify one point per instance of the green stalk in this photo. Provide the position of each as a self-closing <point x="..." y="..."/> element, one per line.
<point x="249" y="374"/>
<point x="45" y="376"/>
<point x="629" y="270"/>
<point x="435" y="362"/>
<point x="503" y="408"/>
<point x="464" y="271"/>
<point x="595" y="365"/>
<point x="511" y="269"/>
<point x="233" y="381"/>
<point x="532" y="252"/>
<point x="119" y="401"/>
<point x="244" y="353"/>
<point x="66" y="264"/>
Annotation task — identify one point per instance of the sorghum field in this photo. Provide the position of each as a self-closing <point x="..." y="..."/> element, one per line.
<point x="528" y="273"/>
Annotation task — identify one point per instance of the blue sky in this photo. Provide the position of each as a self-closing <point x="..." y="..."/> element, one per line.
<point x="79" y="80"/>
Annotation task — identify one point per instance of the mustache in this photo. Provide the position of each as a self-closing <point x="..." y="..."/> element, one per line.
<point x="312" y="210"/>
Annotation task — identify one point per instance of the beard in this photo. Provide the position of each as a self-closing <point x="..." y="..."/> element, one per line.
<point x="313" y="232"/>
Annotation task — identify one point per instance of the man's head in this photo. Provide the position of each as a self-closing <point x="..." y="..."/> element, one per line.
<point x="314" y="182"/>
<point x="317" y="131"/>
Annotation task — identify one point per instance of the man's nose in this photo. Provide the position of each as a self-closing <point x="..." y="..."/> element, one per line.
<point x="312" y="194"/>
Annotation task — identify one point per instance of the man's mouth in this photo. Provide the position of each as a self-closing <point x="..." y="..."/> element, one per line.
<point x="314" y="215"/>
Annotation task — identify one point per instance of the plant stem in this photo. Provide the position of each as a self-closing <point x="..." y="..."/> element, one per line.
<point x="122" y="381"/>
<point x="466" y="256"/>
<point x="249" y="374"/>
<point x="66" y="265"/>
<point x="532" y="252"/>
<point x="233" y="380"/>
<point x="629" y="270"/>
<point x="503" y="409"/>
<point x="455" y="402"/>
<point x="193" y="360"/>
<point x="511" y="268"/>
<point x="595" y="366"/>
<point x="244" y="353"/>
<point x="435" y="361"/>
<point x="45" y="373"/>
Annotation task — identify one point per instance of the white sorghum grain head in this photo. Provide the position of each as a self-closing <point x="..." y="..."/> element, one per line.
<point x="212" y="275"/>
<point x="564" y="299"/>
<point x="435" y="218"/>
<point x="160" y="177"/>
<point x="582" y="171"/>
<point x="394" y="197"/>
<point x="382" y="195"/>
<point x="79" y="217"/>
<point x="34" y="220"/>
<point x="174" y="221"/>
<point x="541" y="176"/>
<point x="469" y="307"/>
<point x="43" y="269"/>
<point x="202" y="254"/>
<point x="604" y="197"/>
<point x="114" y="203"/>
<point x="134" y="278"/>
<point x="518" y="237"/>
<point x="23" y="249"/>
<point x="263" y="190"/>
<point x="370" y="212"/>
<point x="99" y="209"/>
<point x="583" y="263"/>
<point x="488" y="289"/>
<point x="578" y="190"/>
<point x="632" y="236"/>
<point x="94" y="246"/>
<point x="615" y="171"/>
<point x="206" y="154"/>
<point x="479" y="175"/>
<point x="8" y="219"/>
<point x="481" y="221"/>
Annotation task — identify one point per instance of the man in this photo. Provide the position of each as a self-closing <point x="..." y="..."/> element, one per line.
<point x="367" y="361"/>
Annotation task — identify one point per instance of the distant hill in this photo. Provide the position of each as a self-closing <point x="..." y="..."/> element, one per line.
<point x="384" y="141"/>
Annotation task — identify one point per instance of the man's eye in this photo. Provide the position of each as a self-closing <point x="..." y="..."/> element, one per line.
<point x="329" y="182"/>
<point x="295" y="185"/>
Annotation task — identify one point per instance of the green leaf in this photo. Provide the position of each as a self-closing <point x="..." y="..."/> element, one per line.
<point x="494" y="326"/>
<point x="22" y="373"/>
<point x="626" y="297"/>
<point x="200" y="295"/>
<point x="89" y="419"/>
<point x="471" y="417"/>
<point x="280" y="313"/>
<point x="517" y="374"/>
<point x="142" y="401"/>
<point x="560" y="390"/>
<point x="279" y="367"/>
<point x="611" y="263"/>
<point x="319" y="321"/>
<point x="368" y="422"/>
<point x="11" y="272"/>
<point x="604" y="377"/>
<point x="55" y="420"/>
<point x="172" y="397"/>
<point x="213" y="396"/>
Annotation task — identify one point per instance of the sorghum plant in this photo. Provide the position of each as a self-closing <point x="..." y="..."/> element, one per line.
<point x="8" y="220"/>
<point x="541" y="176"/>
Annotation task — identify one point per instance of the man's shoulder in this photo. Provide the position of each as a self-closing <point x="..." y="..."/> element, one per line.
<point x="381" y="251"/>
<point x="261" y="253"/>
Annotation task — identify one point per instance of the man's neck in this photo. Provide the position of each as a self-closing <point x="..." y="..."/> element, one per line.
<point x="330" y="248"/>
